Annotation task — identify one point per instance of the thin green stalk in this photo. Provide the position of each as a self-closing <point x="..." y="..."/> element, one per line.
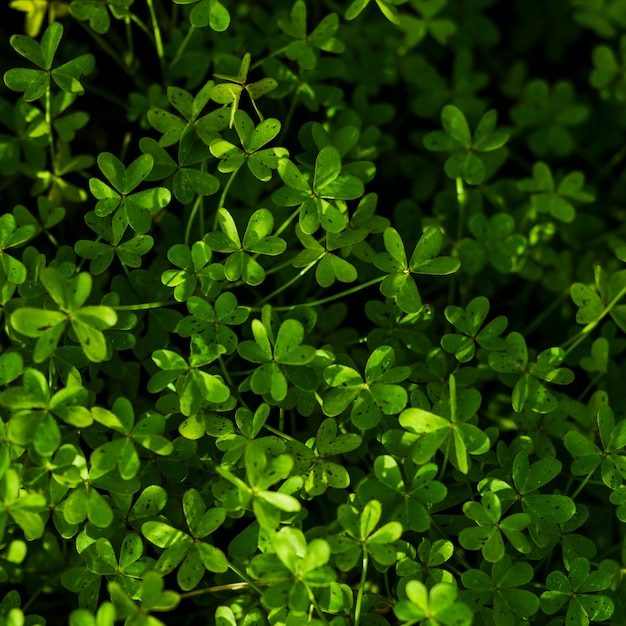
<point x="286" y="285"/>
<point x="269" y="56"/>
<point x="361" y="592"/>
<point x="539" y="319"/>
<point x="246" y="578"/>
<point x="222" y="200"/>
<point x="287" y="123"/>
<point x="49" y="125"/>
<point x="588" y="329"/>
<point x="288" y="221"/>
<point x="343" y="294"/>
<point x="183" y="45"/>
<point x="196" y="206"/>
<point x="157" y="37"/>
<point x="583" y="483"/>
<point x="144" y="306"/>
<point x="317" y="607"/>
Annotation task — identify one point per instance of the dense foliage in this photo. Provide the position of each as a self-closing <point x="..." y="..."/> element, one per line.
<point x="313" y="312"/>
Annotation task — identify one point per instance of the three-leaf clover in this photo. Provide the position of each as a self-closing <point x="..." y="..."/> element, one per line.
<point x="469" y="321"/>
<point x="457" y="139"/>
<point x="587" y="456"/>
<point x="529" y="390"/>
<point x="131" y="208"/>
<point x="316" y="199"/>
<point x="487" y="536"/>
<point x="12" y="235"/>
<point x="447" y="428"/>
<point x="241" y="262"/>
<point x="406" y="492"/>
<point x="329" y="265"/>
<point x="372" y="396"/>
<point x="121" y="453"/>
<point x="188" y="550"/>
<point x="260" y="162"/>
<point x="360" y="536"/>
<point x="229" y="93"/>
<point x="273" y="353"/>
<point x="437" y="606"/>
<point x="556" y="201"/>
<point x="304" y="48"/>
<point x="608" y="73"/>
<point x="212" y="321"/>
<point x="501" y="589"/>
<point x="194" y="385"/>
<point x="36" y="82"/>
<point x="399" y="284"/>
<point x="48" y="325"/>
<point x="294" y="571"/>
<point x="194" y="268"/>
<point x="579" y="591"/>
<point x="208" y="13"/>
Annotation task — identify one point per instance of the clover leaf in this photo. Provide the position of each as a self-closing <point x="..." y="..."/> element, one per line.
<point x="399" y="283"/>
<point x="241" y="262"/>
<point x="407" y="492"/>
<point x="529" y="390"/>
<point x="318" y="201"/>
<point x="295" y="571"/>
<point x="49" y="325"/>
<point x="195" y="269"/>
<point x="579" y="591"/>
<point x="36" y="82"/>
<point x="487" y="536"/>
<point x="387" y="8"/>
<point x="329" y="266"/>
<point x="194" y="384"/>
<point x="304" y="48"/>
<point x="607" y="75"/>
<point x="447" y="428"/>
<point x="35" y="411"/>
<point x="11" y="235"/>
<point x="370" y="397"/>
<point x="587" y="456"/>
<point x="360" y="536"/>
<point x="469" y="322"/>
<point x="229" y="93"/>
<point x="208" y="13"/>
<point x="131" y="208"/>
<point x="273" y="353"/>
<point x="500" y="589"/>
<point x="557" y="202"/>
<point x="457" y="139"/>
<point x="552" y="110"/>
<point x="260" y="162"/>
<point x="438" y="605"/>
<point x="189" y="552"/>
<point x="212" y="321"/>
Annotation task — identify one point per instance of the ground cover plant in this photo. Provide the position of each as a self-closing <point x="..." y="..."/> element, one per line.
<point x="312" y="313"/>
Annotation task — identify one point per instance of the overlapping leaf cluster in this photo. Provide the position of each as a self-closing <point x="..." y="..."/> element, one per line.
<point x="331" y="336"/>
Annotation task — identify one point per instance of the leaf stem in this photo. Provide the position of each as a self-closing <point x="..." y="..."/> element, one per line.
<point x="361" y="592"/>
<point x="144" y="306"/>
<point x="157" y="37"/>
<point x="316" y="605"/>
<point x="347" y="292"/>
<point x="582" y="335"/>
<point x="183" y="45"/>
<point x="583" y="483"/>
<point x="285" y="286"/>
<point x="222" y="200"/>
<point x="245" y="577"/>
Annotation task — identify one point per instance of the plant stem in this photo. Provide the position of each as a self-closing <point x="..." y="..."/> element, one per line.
<point x="359" y="596"/>
<point x="317" y="607"/>
<point x="583" y="483"/>
<point x="285" y="286"/>
<point x="347" y="292"/>
<point x="183" y="45"/>
<point x="145" y="306"/>
<point x="245" y="577"/>
<point x="582" y="335"/>
<point x="222" y="200"/>
<point x="49" y="124"/>
<point x="157" y="37"/>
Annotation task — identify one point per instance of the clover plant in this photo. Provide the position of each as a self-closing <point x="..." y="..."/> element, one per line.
<point x="313" y="313"/>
